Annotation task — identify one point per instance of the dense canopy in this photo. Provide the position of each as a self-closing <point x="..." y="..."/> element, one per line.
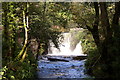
<point x="29" y="26"/>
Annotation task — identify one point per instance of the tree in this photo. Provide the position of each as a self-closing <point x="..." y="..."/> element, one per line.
<point x="25" y="23"/>
<point x="46" y="22"/>
<point x="103" y="31"/>
<point x="15" y="26"/>
<point x="9" y="32"/>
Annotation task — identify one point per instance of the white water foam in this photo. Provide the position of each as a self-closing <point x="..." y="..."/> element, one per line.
<point x="64" y="48"/>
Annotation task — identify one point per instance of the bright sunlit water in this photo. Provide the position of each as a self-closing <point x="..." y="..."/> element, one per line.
<point x="65" y="47"/>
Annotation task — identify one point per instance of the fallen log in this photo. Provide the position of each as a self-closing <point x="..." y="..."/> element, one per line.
<point x="55" y="59"/>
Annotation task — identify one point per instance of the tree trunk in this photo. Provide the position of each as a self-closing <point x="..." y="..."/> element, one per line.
<point x="107" y="31"/>
<point x="24" y="48"/>
<point x="105" y="53"/>
<point x="94" y="31"/>
<point x="26" y="33"/>
<point x="105" y="21"/>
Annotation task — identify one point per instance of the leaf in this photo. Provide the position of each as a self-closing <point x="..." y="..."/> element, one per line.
<point x="1" y="73"/>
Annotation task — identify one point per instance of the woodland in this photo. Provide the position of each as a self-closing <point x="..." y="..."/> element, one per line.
<point x="25" y="24"/>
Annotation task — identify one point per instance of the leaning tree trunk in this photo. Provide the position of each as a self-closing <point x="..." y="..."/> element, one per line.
<point x="26" y="37"/>
<point x="94" y="30"/>
<point x="26" y="34"/>
<point x="24" y="48"/>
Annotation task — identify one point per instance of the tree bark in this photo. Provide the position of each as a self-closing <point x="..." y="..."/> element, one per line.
<point x="106" y="28"/>
<point x="95" y="32"/>
<point x="105" y="54"/>
<point x="105" y="21"/>
<point x="26" y="33"/>
<point x="24" y="48"/>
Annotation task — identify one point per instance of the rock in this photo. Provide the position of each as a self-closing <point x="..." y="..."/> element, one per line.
<point x="56" y="69"/>
<point x="42" y="67"/>
<point x="73" y="66"/>
<point x="42" y="57"/>
<point x="81" y="65"/>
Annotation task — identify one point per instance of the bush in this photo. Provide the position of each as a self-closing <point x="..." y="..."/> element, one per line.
<point x="16" y="70"/>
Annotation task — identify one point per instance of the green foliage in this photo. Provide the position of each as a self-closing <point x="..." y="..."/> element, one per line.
<point x="46" y="21"/>
<point x="18" y="71"/>
<point x="12" y="24"/>
<point x="87" y="40"/>
<point x="83" y="14"/>
<point x="89" y="47"/>
<point x="11" y="21"/>
<point x="103" y="58"/>
<point x="109" y="70"/>
<point x="3" y="71"/>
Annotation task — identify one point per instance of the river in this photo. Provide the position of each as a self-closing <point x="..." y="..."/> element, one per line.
<point x="61" y="69"/>
<point x="65" y="66"/>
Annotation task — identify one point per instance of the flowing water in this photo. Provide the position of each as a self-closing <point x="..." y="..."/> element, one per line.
<point x="62" y="69"/>
<point x="65" y="47"/>
<point x="71" y="69"/>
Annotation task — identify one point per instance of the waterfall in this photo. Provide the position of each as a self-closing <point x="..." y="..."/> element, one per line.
<point x="66" y="48"/>
<point x="61" y="63"/>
